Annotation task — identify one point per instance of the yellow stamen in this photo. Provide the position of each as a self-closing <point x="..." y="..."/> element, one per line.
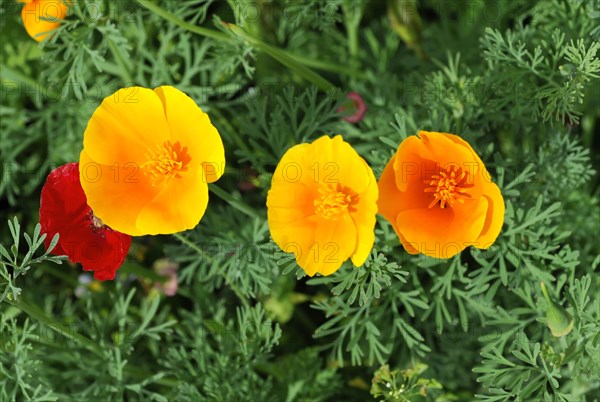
<point x="165" y="161"/>
<point x="335" y="201"/>
<point x="449" y="186"/>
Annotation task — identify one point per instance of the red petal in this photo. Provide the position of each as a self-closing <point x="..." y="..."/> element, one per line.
<point x="64" y="210"/>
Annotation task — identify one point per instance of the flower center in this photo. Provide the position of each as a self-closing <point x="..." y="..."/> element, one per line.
<point x="335" y="201"/>
<point x="165" y="161"/>
<point x="449" y="186"/>
<point x="96" y="224"/>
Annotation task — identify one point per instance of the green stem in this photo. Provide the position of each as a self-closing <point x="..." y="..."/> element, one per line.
<point x="193" y="246"/>
<point x="545" y="293"/>
<point x="327" y="66"/>
<point x="38" y="315"/>
<point x="234" y="202"/>
<point x="351" y="31"/>
<point x="209" y="33"/>
<point x="297" y="63"/>
<point x="284" y="58"/>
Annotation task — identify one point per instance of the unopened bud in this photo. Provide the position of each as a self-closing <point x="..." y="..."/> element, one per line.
<point x="558" y="319"/>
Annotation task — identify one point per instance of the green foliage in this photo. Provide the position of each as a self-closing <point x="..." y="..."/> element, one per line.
<point x="388" y="386"/>
<point x="10" y="266"/>
<point x="516" y="79"/>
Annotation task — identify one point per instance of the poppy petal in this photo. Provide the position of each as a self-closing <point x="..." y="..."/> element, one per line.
<point x="35" y="13"/>
<point x="118" y="193"/>
<point x="120" y="130"/>
<point x="163" y="216"/>
<point x="334" y="244"/>
<point x="364" y="217"/>
<point x="436" y="146"/>
<point x="192" y="127"/>
<point x="494" y="218"/>
<point x="443" y="232"/>
<point x="63" y="210"/>
<point x="333" y="159"/>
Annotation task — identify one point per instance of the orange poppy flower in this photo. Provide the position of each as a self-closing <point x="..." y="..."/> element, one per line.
<point x="322" y="205"/>
<point x="35" y="13"/>
<point x="439" y="197"/>
<point x="147" y="158"/>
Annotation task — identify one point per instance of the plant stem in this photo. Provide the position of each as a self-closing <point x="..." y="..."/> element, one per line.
<point x="209" y="33"/>
<point x="284" y="58"/>
<point x="270" y="50"/>
<point x="545" y="293"/>
<point x="234" y="202"/>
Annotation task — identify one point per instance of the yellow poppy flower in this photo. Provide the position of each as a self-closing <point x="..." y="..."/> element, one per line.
<point x="147" y="158"/>
<point x="35" y="12"/>
<point x="322" y="205"/>
<point x="439" y="197"/>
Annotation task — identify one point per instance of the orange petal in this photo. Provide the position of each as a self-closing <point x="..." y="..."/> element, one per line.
<point x="116" y="194"/>
<point x="481" y="169"/>
<point x="446" y="151"/>
<point x="34" y="12"/>
<point x="192" y="127"/>
<point x="406" y="244"/>
<point x="388" y="193"/>
<point x="178" y="206"/>
<point x="125" y="126"/>
<point x="412" y="162"/>
<point x="494" y="218"/>
<point x="389" y="201"/>
<point x="442" y="233"/>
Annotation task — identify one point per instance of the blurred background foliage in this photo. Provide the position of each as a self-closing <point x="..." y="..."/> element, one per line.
<point x="518" y="79"/>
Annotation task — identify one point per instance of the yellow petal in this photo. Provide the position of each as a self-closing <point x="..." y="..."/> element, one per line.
<point x="334" y="244"/>
<point x="178" y="206"/>
<point x="34" y="12"/>
<point x="287" y="204"/>
<point x="192" y="127"/>
<point x="365" y="238"/>
<point x="364" y="218"/>
<point x="116" y="194"/>
<point x="125" y="126"/>
<point x="298" y="239"/>
<point x="332" y="161"/>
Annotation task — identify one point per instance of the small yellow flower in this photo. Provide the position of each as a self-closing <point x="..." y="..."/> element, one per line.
<point x="322" y="205"/>
<point x="36" y="12"/>
<point x="148" y="156"/>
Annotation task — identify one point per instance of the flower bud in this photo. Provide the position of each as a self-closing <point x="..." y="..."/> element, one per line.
<point x="558" y="319"/>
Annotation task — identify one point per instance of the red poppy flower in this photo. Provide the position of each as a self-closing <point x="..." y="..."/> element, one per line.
<point x="83" y="237"/>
